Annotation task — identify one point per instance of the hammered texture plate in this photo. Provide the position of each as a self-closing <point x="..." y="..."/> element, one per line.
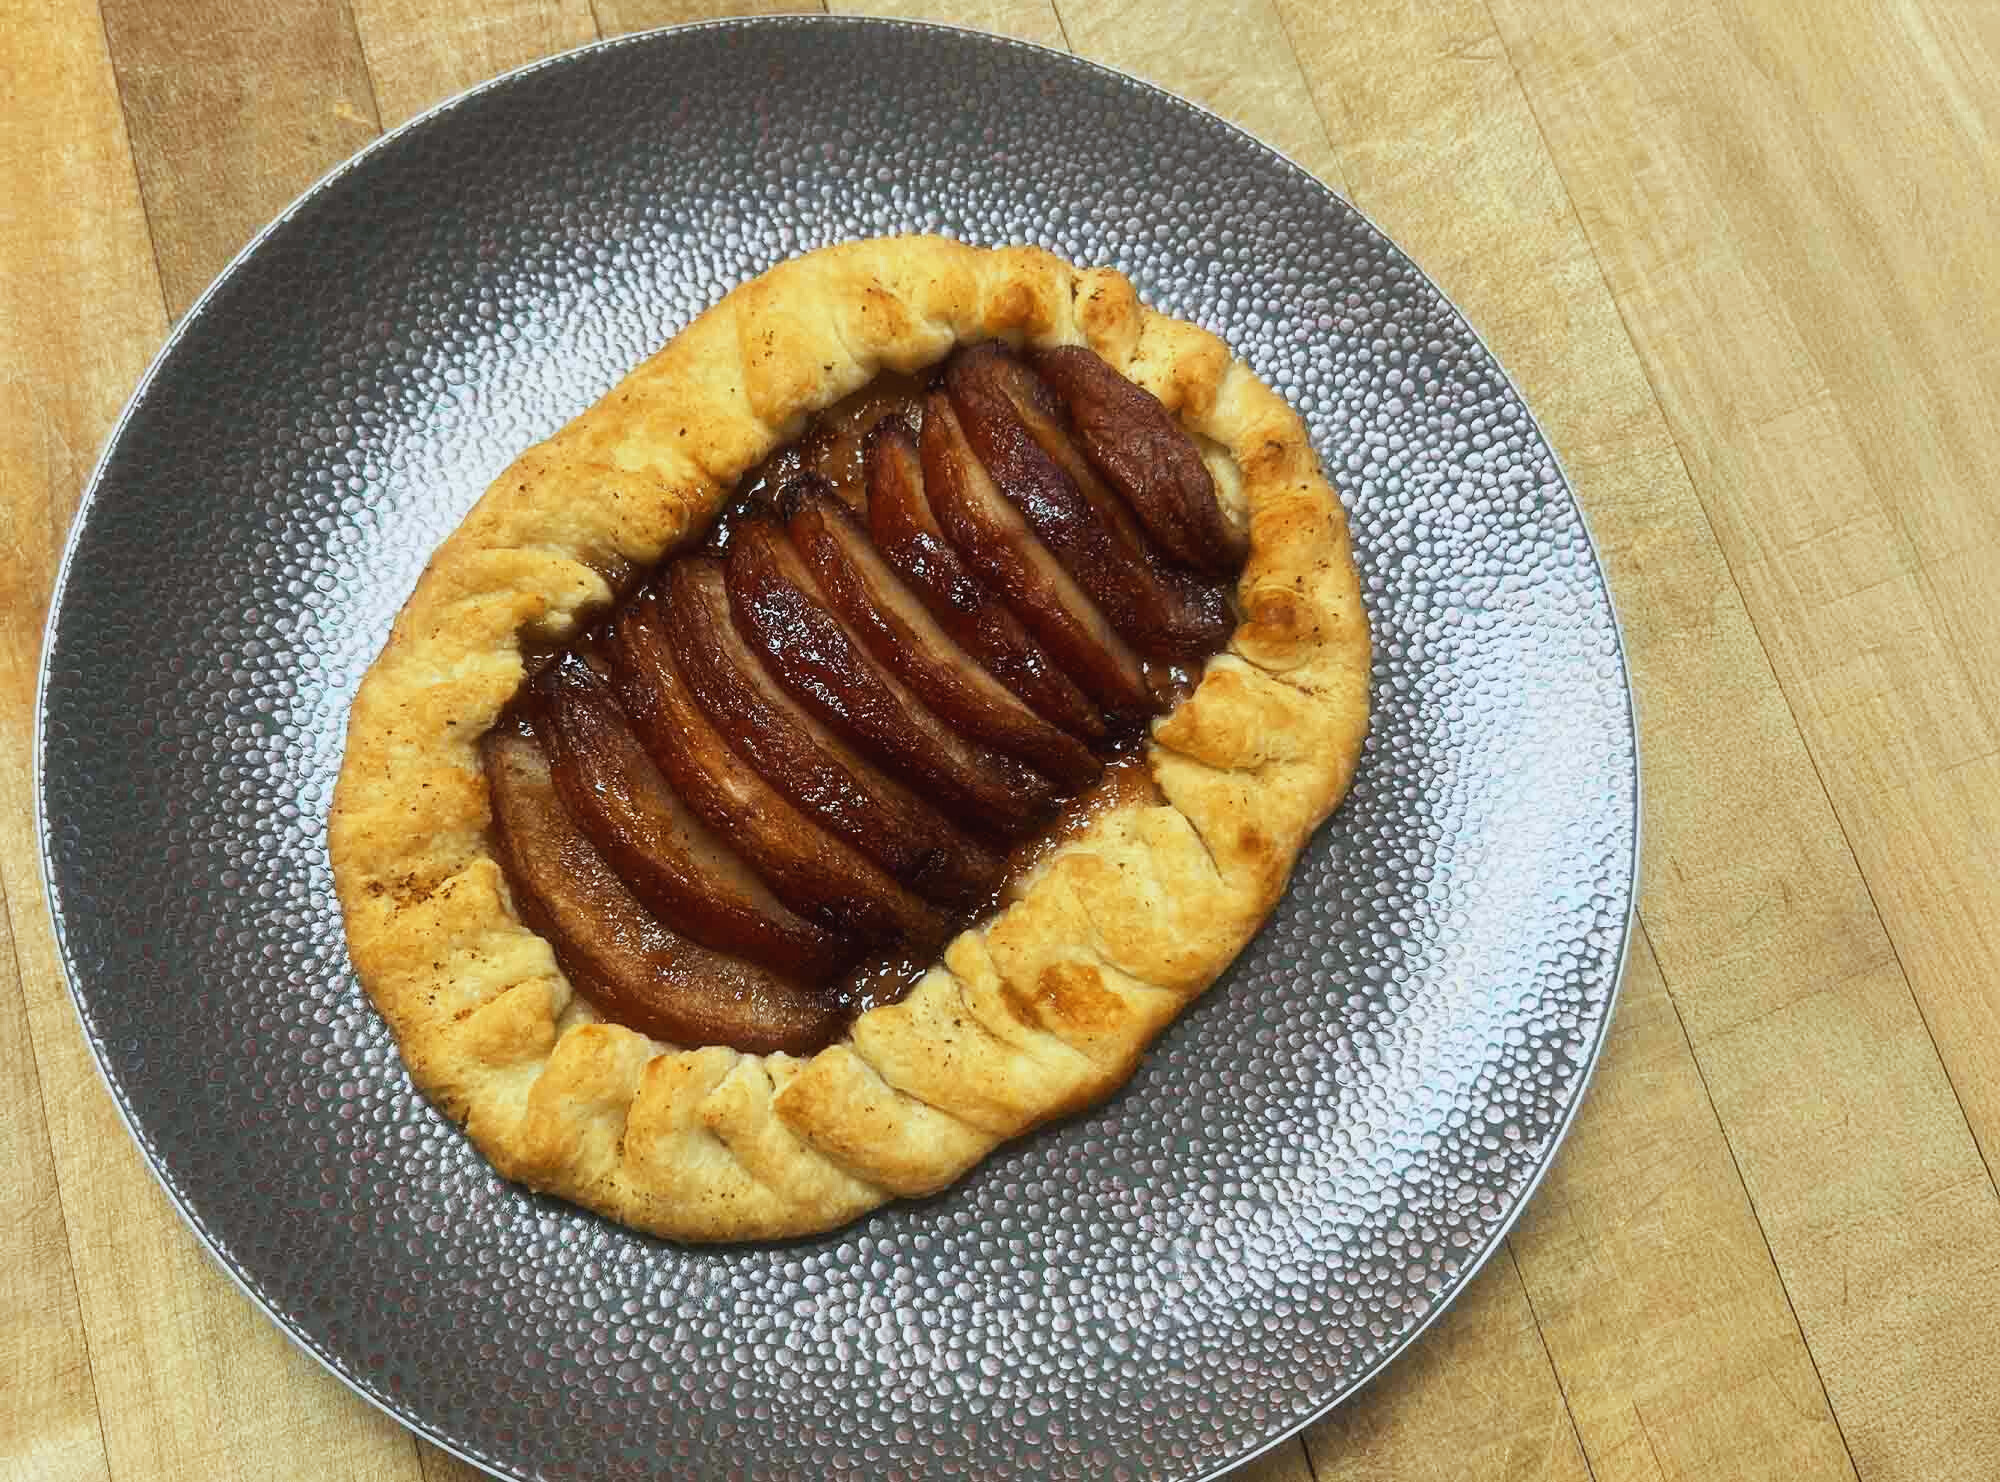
<point x="1303" y="1171"/>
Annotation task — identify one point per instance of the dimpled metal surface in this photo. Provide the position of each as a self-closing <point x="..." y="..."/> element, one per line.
<point x="1302" y="1171"/>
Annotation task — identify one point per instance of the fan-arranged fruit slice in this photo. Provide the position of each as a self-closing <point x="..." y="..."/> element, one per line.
<point x="620" y="956"/>
<point x="1143" y="453"/>
<point x="1012" y="422"/>
<point x="874" y="604"/>
<point x="906" y="532"/>
<point x="780" y="609"/>
<point x="759" y="795"/>
<point x="802" y="758"/>
<point x="819" y="875"/>
<point x="676" y="866"/>
<point x="990" y="534"/>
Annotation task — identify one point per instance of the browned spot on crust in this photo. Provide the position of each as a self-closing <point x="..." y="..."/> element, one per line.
<point x="1073" y="993"/>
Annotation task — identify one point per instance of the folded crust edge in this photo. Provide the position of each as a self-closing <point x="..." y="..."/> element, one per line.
<point x="1034" y="1014"/>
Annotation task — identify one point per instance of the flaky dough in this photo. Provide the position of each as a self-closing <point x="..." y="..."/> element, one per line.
<point x="1039" y="1011"/>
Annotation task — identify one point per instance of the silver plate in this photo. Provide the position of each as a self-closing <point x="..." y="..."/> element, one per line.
<point x="1302" y="1173"/>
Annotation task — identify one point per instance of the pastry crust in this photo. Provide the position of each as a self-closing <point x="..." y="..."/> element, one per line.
<point x="1037" y="1012"/>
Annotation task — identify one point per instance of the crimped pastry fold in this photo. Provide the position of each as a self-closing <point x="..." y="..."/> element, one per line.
<point x="1040" y="1010"/>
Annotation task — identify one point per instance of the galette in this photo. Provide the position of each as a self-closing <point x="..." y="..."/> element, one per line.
<point x="847" y="744"/>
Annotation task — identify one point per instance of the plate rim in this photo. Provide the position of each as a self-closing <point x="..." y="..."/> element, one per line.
<point x="195" y="315"/>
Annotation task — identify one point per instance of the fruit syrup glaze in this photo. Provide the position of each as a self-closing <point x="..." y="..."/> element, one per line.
<point x="915" y="652"/>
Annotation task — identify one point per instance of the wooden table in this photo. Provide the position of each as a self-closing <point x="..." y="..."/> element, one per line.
<point x="1740" y="254"/>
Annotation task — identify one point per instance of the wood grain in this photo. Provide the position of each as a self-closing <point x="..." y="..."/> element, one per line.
<point x="1746" y="213"/>
<point x="70" y="229"/>
<point x="1235" y="59"/>
<point x="234" y="110"/>
<point x="1440" y="144"/>
<point x="1739" y="255"/>
<point x="620" y="17"/>
<point x="1026" y="20"/>
<point x="172" y="1343"/>
<point x="45" y="1378"/>
<point x="1473" y="1402"/>
<point x="419" y="53"/>
<point x="1652" y="1284"/>
<point x="188" y="1378"/>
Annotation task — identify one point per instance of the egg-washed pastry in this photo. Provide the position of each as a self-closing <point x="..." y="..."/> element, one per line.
<point x="847" y="744"/>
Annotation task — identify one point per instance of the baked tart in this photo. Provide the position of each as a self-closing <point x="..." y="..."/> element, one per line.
<point x="849" y="742"/>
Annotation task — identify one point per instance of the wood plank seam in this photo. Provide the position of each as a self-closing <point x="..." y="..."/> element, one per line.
<point x="1056" y="11"/>
<point x="1874" y="906"/>
<point x="1736" y="1166"/>
<point x="55" y="1174"/>
<point x="180" y="1415"/>
<point x="1326" y="142"/>
<point x="145" y="206"/>
<point x="1763" y="642"/>
<point x="1598" y="1366"/>
<point x="1312" y="96"/>
<point x="1926" y="583"/>
<point x="1548" y="1354"/>
<point x="367" y="72"/>
<point x="1305" y="1457"/>
<point x="58" y="530"/>
<point x="1813" y="761"/>
<point x="1541" y="1336"/>
<point x="417" y="1456"/>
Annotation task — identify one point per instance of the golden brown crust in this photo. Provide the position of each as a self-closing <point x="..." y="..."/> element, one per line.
<point x="1042" y="1010"/>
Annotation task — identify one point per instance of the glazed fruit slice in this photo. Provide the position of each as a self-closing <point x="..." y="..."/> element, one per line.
<point x="819" y="875"/>
<point x="803" y="759"/>
<point x="760" y="796"/>
<point x="780" y="609"/>
<point x="875" y="605"/>
<point x="906" y="533"/>
<point x="625" y="961"/>
<point x="989" y="533"/>
<point x="1143" y="453"/>
<point x="670" y="860"/>
<point x="1012" y="422"/>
